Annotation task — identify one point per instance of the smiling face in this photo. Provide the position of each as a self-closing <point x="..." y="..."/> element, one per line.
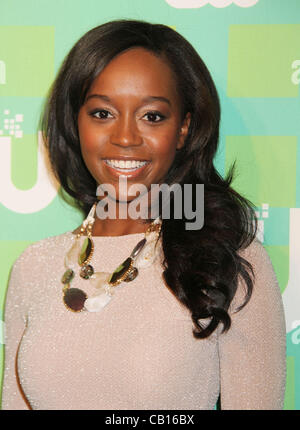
<point x="131" y="122"/>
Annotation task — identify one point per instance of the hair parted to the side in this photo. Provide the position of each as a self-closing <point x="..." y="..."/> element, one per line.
<point x="201" y="267"/>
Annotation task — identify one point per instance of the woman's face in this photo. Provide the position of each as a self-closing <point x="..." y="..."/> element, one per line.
<point x="130" y="123"/>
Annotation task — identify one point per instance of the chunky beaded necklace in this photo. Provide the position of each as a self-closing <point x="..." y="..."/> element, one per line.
<point x="81" y="253"/>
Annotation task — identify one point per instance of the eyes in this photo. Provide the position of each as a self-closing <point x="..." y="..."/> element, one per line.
<point x="150" y="116"/>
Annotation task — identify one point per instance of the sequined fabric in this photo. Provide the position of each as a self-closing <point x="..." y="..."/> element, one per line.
<point x="139" y="351"/>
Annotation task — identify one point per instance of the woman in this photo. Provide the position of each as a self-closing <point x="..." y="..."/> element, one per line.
<point x="189" y="316"/>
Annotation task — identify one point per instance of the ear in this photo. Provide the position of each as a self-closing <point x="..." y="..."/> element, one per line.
<point x="184" y="131"/>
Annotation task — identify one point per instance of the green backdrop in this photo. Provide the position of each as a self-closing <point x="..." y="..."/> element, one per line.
<point x="252" y="48"/>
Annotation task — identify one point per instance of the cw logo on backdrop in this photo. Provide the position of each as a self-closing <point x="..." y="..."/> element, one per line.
<point x="34" y="199"/>
<point x="295" y="78"/>
<point x="2" y="73"/>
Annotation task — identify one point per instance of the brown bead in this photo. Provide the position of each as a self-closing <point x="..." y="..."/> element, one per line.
<point x="131" y="275"/>
<point x="86" y="271"/>
<point x="74" y="299"/>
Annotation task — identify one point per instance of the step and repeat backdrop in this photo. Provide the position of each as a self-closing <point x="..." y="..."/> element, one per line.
<point x="251" y="47"/>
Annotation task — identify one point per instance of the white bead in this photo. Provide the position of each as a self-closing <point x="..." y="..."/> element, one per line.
<point x="152" y="237"/>
<point x="71" y="258"/>
<point x="99" y="279"/>
<point x="147" y="255"/>
<point x="97" y="303"/>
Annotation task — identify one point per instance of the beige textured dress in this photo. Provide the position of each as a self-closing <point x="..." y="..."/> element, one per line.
<point x="139" y="351"/>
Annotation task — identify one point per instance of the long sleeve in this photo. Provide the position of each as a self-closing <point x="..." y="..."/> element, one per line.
<point x="252" y="353"/>
<point x="15" y="323"/>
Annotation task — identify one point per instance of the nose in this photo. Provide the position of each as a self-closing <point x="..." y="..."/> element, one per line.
<point x="125" y="132"/>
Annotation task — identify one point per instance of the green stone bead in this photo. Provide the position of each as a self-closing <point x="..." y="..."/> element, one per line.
<point x="86" y="251"/>
<point x="67" y="276"/>
<point x="120" y="271"/>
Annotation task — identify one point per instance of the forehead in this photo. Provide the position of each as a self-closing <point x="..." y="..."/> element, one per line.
<point x="139" y="70"/>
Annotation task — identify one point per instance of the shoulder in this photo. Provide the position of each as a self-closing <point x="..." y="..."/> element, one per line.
<point x="265" y="284"/>
<point x="39" y="254"/>
<point x="34" y="267"/>
<point x="258" y="257"/>
<point x="255" y="248"/>
<point x="45" y="245"/>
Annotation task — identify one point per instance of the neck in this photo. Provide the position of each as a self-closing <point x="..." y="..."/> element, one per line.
<point x="118" y="227"/>
<point x="118" y="220"/>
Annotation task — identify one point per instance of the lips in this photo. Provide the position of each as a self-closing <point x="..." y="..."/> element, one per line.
<point x="128" y="167"/>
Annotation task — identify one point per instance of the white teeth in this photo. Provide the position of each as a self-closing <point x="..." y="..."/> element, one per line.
<point x="128" y="164"/>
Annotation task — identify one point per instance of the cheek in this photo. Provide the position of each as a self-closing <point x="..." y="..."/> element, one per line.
<point x="90" y="141"/>
<point x="87" y="138"/>
<point x="87" y="151"/>
<point x="88" y="148"/>
<point x="165" y="149"/>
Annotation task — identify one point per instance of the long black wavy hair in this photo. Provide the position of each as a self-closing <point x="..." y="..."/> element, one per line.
<point x="201" y="267"/>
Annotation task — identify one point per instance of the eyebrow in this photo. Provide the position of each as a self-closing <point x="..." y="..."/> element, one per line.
<point x="144" y="100"/>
